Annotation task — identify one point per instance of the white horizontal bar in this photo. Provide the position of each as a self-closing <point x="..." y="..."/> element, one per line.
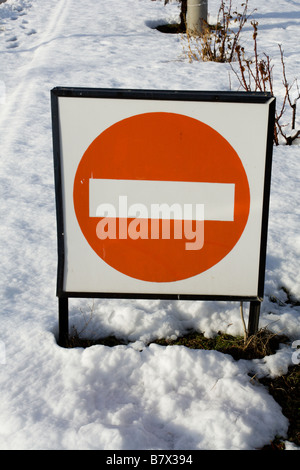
<point x="161" y="199"/>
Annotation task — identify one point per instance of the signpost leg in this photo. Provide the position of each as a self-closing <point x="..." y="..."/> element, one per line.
<point x="253" y="317"/>
<point x="63" y="321"/>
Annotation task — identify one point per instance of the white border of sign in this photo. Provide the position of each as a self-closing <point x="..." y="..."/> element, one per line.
<point x="245" y="120"/>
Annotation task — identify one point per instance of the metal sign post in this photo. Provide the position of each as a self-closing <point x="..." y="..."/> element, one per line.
<point x="253" y="320"/>
<point x="63" y="321"/>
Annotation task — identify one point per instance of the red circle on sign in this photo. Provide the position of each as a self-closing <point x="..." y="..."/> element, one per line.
<point x="162" y="147"/>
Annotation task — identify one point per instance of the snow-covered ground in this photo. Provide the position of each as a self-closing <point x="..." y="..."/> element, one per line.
<point x="134" y="396"/>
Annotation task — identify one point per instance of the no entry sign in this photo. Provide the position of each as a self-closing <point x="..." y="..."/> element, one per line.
<point x="162" y="194"/>
<point x="160" y="151"/>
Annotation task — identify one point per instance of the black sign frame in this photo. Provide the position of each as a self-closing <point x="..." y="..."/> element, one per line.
<point x="198" y="96"/>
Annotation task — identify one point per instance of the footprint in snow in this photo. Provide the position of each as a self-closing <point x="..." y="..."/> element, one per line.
<point x="12" y="45"/>
<point x="12" y="42"/>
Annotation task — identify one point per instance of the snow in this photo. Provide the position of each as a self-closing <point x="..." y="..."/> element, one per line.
<point x="134" y="396"/>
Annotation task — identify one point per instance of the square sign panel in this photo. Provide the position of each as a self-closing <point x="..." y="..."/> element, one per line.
<point x="162" y="194"/>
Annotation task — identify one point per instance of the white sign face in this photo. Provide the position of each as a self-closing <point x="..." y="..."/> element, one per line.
<point x="162" y="193"/>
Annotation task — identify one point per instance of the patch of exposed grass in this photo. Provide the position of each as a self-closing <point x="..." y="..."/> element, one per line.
<point x="75" y="341"/>
<point x="286" y="391"/>
<point x="257" y="346"/>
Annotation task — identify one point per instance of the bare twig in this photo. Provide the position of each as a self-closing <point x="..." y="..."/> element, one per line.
<point x="243" y="321"/>
<point x="256" y="74"/>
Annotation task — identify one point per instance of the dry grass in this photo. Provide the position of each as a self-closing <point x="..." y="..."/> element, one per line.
<point x="264" y="343"/>
<point x="217" y="43"/>
<point x="285" y="390"/>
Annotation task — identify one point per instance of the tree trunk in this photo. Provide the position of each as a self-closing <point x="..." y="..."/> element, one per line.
<point x="183" y="14"/>
<point x="196" y="15"/>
